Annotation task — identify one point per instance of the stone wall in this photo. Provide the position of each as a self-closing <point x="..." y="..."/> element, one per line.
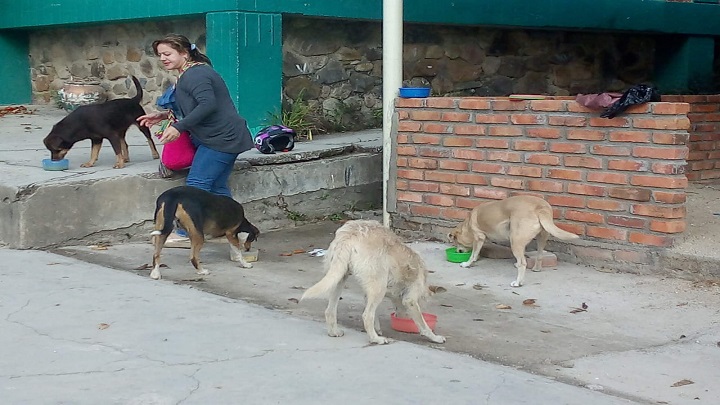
<point x="337" y="65"/>
<point x="107" y="53"/>
<point x="619" y="183"/>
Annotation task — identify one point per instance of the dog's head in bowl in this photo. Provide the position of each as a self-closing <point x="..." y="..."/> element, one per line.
<point x="463" y="241"/>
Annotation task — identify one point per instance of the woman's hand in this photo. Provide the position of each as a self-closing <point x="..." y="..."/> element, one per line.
<point x="151" y="119"/>
<point x="169" y="134"/>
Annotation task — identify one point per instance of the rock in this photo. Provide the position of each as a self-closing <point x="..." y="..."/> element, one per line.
<point x="348" y="54"/>
<point x="459" y="70"/>
<point x="361" y="82"/>
<point x="295" y="86"/>
<point x="333" y="72"/>
<point x="80" y="70"/>
<point x="134" y="54"/>
<point x="364" y="67"/>
<point x="512" y="66"/>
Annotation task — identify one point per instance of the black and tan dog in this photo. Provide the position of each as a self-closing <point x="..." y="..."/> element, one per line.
<point x="200" y="213"/>
<point x="109" y="120"/>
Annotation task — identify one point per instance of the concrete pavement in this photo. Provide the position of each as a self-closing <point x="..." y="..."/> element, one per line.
<point x="79" y="333"/>
<point x="639" y="336"/>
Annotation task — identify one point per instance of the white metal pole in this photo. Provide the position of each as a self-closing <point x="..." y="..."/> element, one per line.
<point x="392" y="81"/>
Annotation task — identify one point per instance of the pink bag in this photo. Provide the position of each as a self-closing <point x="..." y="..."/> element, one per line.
<point x="598" y="101"/>
<point x="178" y="154"/>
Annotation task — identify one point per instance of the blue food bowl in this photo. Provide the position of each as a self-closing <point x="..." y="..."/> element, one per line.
<point x="49" y="164"/>
<point x="414" y="92"/>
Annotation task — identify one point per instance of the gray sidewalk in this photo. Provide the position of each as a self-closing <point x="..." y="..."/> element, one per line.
<point x="78" y="333"/>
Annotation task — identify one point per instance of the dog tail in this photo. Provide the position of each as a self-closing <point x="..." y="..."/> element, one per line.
<point x="138" y="97"/>
<point x="164" y="217"/>
<point x="546" y="220"/>
<point x="337" y="261"/>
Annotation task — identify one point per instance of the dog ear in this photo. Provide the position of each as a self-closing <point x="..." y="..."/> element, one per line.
<point x="436" y="289"/>
<point x="451" y="236"/>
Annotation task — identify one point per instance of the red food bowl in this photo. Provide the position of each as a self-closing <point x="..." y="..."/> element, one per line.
<point x="407" y="325"/>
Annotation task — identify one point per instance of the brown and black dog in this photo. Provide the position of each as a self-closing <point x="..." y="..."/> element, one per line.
<point x="200" y="213"/>
<point x="109" y="120"/>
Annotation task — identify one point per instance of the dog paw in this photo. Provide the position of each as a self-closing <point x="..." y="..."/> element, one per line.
<point x="465" y="264"/>
<point x="437" y="338"/>
<point x="246" y="265"/>
<point x="515" y="284"/>
<point x="203" y="272"/>
<point x="380" y="340"/>
<point x="155" y="275"/>
<point x="336" y="333"/>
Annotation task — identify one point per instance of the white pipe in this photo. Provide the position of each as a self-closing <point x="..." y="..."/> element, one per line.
<point x="392" y="81"/>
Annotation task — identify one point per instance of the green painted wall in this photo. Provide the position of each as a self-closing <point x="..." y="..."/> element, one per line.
<point x="684" y="64"/>
<point x="246" y="49"/>
<point x="243" y="33"/>
<point x="632" y="15"/>
<point x="14" y="46"/>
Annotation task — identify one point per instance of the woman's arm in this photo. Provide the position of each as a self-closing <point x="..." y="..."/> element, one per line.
<point x="201" y="89"/>
<point x="151" y="119"/>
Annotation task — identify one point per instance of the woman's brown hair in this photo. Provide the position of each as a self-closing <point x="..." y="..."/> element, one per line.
<point x="181" y="44"/>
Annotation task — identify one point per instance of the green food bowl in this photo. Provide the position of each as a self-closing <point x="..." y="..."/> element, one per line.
<point x="453" y="256"/>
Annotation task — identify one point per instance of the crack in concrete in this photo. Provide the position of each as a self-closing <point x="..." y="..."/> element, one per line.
<point x="90" y="372"/>
<point x="194" y="389"/>
<point x="488" y="397"/>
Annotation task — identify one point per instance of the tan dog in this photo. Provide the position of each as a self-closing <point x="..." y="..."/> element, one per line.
<point x="518" y="219"/>
<point x="382" y="264"/>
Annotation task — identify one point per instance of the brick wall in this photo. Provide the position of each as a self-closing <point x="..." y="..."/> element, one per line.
<point x="619" y="183"/>
<point x="704" y="116"/>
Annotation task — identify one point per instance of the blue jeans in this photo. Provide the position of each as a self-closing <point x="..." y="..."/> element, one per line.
<point x="211" y="170"/>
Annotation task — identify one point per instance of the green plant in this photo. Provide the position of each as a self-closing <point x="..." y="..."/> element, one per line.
<point x="343" y="116"/>
<point x="377" y="117"/>
<point x="300" y="116"/>
<point x="55" y="95"/>
<point x="296" y="216"/>
<point x="336" y="217"/>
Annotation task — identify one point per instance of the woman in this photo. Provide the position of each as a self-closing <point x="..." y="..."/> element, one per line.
<point x="205" y="109"/>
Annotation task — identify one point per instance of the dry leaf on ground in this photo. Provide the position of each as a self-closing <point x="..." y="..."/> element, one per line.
<point x="286" y="254"/>
<point x="298" y="251"/>
<point x="293" y="300"/>
<point x="502" y="306"/>
<point x="529" y="302"/>
<point x="103" y="326"/>
<point x="683" y="382"/>
<point x="98" y="247"/>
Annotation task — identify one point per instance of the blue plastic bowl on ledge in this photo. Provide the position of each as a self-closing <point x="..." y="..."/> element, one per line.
<point x="53" y="165"/>
<point x="414" y="92"/>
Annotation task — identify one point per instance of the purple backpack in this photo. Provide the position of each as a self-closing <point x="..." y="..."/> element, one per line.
<point x="275" y="138"/>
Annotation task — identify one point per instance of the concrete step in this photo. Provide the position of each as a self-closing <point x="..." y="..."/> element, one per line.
<point x="40" y="209"/>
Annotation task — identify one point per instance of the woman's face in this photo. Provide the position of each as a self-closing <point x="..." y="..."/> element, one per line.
<point x="170" y="58"/>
